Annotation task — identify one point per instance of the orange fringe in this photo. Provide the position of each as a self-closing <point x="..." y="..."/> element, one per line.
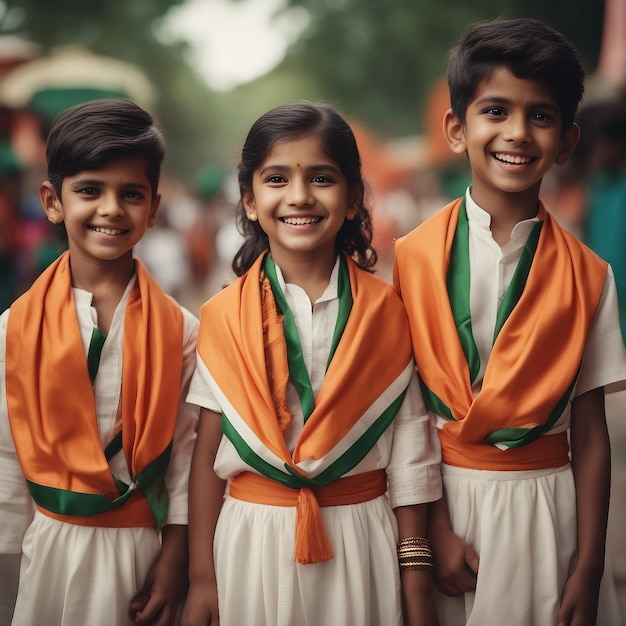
<point x="275" y="355"/>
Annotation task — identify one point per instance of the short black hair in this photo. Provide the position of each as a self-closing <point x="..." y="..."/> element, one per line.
<point x="91" y="135"/>
<point x="529" y="49"/>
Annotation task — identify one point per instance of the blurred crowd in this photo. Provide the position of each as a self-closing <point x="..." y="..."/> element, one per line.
<point x="190" y="248"/>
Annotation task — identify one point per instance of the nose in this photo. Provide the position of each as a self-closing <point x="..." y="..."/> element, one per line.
<point x="299" y="193"/>
<point x="110" y="206"/>
<point x="516" y="129"/>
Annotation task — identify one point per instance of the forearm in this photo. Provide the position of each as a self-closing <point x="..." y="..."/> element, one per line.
<point x="206" y="493"/>
<point x="438" y="520"/>
<point x="591" y="463"/>
<point x="417" y="584"/>
<point x="174" y="549"/>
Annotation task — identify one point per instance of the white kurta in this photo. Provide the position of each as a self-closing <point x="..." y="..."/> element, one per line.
<point x="523" y="524"/>
<point x="77" y="575"/>
<point x="258" y="581"/>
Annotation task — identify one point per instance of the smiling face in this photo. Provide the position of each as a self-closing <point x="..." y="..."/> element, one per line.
<point x="106" y="211"/>
<point x="301" y="199"/>
<point x="512" y="135"/>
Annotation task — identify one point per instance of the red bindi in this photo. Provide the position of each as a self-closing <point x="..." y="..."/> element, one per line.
<point x="297" y="164"/>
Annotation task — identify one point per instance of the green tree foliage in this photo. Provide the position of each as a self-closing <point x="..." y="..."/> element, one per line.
<point x="378" y="59"/>
<point x="126" y="29"/>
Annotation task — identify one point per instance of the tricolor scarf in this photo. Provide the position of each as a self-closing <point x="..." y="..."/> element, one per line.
<point x="541" y="331"/>
<point x="52" y="411"/>
<point x="366" y="379"/>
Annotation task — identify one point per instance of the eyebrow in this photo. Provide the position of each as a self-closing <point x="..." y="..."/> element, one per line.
<point x="97" y="181"/>
<point x="533" y="105"/>
<point x="311" y="168"/>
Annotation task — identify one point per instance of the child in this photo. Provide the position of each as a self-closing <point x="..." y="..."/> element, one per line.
<point x="319" y="407"/>
<point x="92" y="388"/>
<point x="514" y="328"/>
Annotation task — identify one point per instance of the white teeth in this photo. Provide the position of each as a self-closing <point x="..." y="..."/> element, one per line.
<point x="514" y="160"/>
<point x="301" y="221"/>
<point x="107" y="231"/>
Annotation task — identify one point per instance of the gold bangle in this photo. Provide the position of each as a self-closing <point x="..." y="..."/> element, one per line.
<point x="427" y="565"/>
<point x="415" y="553"/>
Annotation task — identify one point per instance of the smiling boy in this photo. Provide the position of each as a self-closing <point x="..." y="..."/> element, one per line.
<point x="515" y="335"/>
<point x="95" y="360"/>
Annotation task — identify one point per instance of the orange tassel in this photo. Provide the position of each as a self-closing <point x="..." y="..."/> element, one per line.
<point x="312" y="543"/>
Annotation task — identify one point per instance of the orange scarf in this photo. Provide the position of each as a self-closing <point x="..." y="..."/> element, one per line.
<point x="51" y="403"/>
<point x="374" y="351"/>
<point x="535" y="358"/>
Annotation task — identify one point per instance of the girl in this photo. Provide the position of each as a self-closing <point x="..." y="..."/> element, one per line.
<point x="311" y="407"/>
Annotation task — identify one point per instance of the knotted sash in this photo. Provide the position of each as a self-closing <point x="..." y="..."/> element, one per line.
<point x="365" y="384"/>
<point x="52" y="409"/>
<point x="536" y="354"/>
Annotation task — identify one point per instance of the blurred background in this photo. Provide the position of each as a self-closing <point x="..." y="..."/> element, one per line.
<point x="208" y="68"/>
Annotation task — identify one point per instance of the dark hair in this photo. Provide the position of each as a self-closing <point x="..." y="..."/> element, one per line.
<point x="288" y="122"/>
<point x="91" y="135"/>
<point x="529" y="49"/>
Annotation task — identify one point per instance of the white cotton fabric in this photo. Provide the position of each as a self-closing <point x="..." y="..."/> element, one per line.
<point x="260" y="584"/>
<point x="75" y="575"/>
<point x="523" y="527"/>
<point x="523" y="524"/>
<point x="258" y="581"/>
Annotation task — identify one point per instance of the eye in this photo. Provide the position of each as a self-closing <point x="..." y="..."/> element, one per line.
<point x="133" y="195"/>
<point x="275" y="179"/>
<point x="88" y="191"/>
<point x="494" y="111"/>
<point x="322" y="179"/>
<point x="542" y="118"/>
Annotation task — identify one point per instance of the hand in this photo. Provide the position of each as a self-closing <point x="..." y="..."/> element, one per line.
<point x="579" y="605"/>
<point x="157" y="602"/>
<point x="201" y="608"/>
<point x="456" y="564"/>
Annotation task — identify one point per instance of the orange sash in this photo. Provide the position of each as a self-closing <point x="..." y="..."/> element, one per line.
<point x="535" y="357"/>
<point x="310" y="533"/>
<point x="51" y="403"/>
<point x="373" y="352"/>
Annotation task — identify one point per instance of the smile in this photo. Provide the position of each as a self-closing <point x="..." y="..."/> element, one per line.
<point x="511" y="159"/>
<point x="300" y="221"/>
<point x="107" y="231"/>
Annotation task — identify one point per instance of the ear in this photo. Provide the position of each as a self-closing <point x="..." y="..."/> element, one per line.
<point x="454" y="132"/>
<point x="154" y="207"/>
<point x="568" y="143"/>
<point x="50" y="203"/>
<point x="355" y="200"/>
<point x="249" y="205"/>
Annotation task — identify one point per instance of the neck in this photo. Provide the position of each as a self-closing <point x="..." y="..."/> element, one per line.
<point x="311" y="274"/>
<point x="106" y="281"/>
<point x="507" y="210"/>
<point x="93" y="276"/>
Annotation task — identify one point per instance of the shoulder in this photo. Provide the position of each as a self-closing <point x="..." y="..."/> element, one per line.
<point x="587" y="261"/>
<point x="435" y="225"/>
<point x="379" y="292"/>
<point x="224" y="304"/>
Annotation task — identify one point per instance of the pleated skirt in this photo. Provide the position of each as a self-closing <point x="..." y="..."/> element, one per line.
<point x="259" y="584"/>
